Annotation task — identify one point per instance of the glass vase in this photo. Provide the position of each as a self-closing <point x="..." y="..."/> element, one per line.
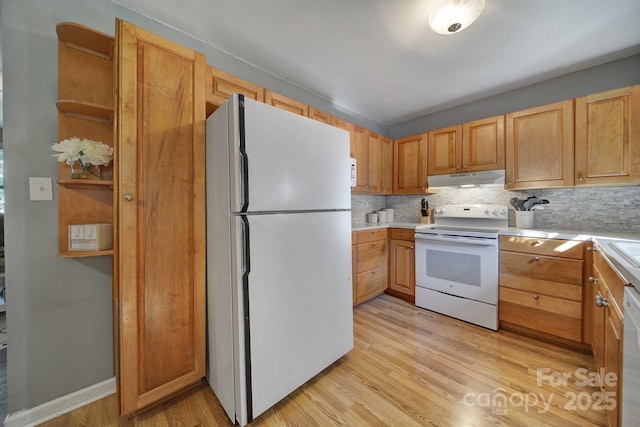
<point x="80" y="170"/>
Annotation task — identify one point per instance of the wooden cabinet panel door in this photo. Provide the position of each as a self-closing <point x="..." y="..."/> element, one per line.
<point x="159" y="260"/>
<point x="319" y="115"/>
<point x="612" y="362"/>
<point x="285" y="103"/>
<point x="361" y="145"/>
<point x="483" y="144"/>
<point x="375" y="162"/>
<point x="402" y="267"/>
<point x="387" y="165"/>
<point x="539" y="147"/>
<point x="445" y="150"/>
<point x="410" y="164"/>
<point x="220" y="86"/>
<point x="608" y="138"/>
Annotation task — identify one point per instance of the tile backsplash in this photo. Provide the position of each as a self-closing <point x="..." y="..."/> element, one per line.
<point x="611" y="209"/>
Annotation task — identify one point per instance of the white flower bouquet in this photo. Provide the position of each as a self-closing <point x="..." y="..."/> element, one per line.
<point x="84" y="151"/>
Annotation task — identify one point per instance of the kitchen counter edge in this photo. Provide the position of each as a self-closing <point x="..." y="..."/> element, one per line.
<point x="408" y="225"/>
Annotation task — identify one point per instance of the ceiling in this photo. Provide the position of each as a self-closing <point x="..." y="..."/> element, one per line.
<point x="379" y="59"/>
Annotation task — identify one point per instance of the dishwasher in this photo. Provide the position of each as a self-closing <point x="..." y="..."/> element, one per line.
<point x="631" y="358"/>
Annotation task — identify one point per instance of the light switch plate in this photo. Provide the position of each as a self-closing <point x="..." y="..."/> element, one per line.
<point x="40" y="188"/>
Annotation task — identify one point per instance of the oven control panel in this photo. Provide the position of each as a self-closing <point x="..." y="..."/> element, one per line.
<point x="471" y="211"/>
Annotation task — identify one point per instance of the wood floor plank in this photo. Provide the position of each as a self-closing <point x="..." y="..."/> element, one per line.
<point x="409" y="367"/>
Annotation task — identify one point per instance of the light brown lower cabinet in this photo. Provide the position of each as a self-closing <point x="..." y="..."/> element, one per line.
<point x="540" y="287"/>
<point x="371" y="264"/>
<point x="608" y="290"/>
<point x="402" y="273"/>
<point x="159" y="205"/>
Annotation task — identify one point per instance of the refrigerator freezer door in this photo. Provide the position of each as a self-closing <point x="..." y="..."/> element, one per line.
<point x="293" y="163"/>
<point x="300" y="300"/>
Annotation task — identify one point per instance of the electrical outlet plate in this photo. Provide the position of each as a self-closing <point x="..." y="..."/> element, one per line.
<point x="40" y="188"/>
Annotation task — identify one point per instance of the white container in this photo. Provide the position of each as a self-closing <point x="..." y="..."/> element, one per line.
<point x="382" y="217"/>
<point x="372" y="218"/>
<point x="524" y="219"/>
<point x="389" y="214"/>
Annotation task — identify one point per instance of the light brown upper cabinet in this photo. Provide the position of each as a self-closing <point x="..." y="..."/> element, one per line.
<point x="410" y="164"/>
<point x="159" y="186"/>
<point x="281" y="101"/>
<point x="375" y="162"/>
<point x="387" y="165"/>
<point x="483" y="144"/>
<point x="361" y="151"/>
<point x="319" y="115"/>
<point x="470" y="147"/>
<point x="539" y="147"/>
<point x="220" y="86"/>
<point x="608" y="138"/>
<point x="445" y="150"/>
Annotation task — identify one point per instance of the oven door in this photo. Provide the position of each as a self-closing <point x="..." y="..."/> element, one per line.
<point x="458" y="265"/>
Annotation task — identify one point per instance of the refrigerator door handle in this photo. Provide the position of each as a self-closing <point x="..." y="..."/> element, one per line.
<point x="244" y="158"/>
<point x="246" y="260"/>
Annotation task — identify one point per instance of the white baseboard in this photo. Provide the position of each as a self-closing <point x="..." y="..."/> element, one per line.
<point x="62" y="405"/>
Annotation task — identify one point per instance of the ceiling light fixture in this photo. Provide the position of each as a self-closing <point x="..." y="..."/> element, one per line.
<point x="453" y="16"/>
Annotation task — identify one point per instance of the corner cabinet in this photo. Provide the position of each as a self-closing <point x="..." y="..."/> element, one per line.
<point x="159" y="198"/>
<point x="85" y="110"/>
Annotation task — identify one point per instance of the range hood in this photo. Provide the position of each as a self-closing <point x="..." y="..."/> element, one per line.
<point x="494" y="178"/>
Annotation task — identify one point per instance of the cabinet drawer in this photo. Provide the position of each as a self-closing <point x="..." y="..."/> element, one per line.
<point x="541" y="267"/>
<point x="371" y="235"/>
<point x="551" y="315"/>
<point x="402" y="234"/>
<point x="371" y="283"/>
<point x="538" y="246"/>
<point x="372" y="255"/>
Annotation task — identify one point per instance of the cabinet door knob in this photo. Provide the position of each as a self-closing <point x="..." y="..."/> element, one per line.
<point x="402" y="234"/>
<point x="591" y="249"/>
<point x="535" y="296"/>
<point x="580" y="178"/>
<point x="593" y="279"/>
<point x="410" y="247"/>
<point x="464" y="166"/>
<point x="374" y="244"/>
<point x="537" y="259"/>
<point x="601" y="302"/>
<point x="128" y="197"/>
<point x="457" y="168"/>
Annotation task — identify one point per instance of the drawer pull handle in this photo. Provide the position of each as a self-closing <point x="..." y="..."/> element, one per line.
<point x="537" y="259"/>
<point x="373" y="272"/>
<point x="593" y="279"/>
<point x="374" y="244"/>
<point x="536" y="243"/>
<point x="535" y="296"/>
<point x="402" y="234"/>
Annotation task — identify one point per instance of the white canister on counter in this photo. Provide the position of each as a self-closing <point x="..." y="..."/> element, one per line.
<point x="389" y="214"/>
<point x="382" y="217"/>
<point x="524" y="219"/>
<point x="372" y="218"/>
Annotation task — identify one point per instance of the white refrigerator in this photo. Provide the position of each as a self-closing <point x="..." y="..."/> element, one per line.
<point x="279" y="285"/>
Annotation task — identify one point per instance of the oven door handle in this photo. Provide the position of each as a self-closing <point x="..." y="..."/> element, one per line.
<point x="456" y="239"/>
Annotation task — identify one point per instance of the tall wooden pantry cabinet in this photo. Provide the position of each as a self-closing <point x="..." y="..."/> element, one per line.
<point x="157" y="204"/>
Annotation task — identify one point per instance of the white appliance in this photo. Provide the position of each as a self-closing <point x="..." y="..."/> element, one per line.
<point x="631" y="357"/>
<point x="494" y="178"/>
<point x="279" y="290"/>
<point x="457" y="263"/>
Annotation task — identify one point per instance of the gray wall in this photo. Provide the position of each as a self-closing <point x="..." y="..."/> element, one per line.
<point x="59" y="310"/>
<point x="612" y="75"/>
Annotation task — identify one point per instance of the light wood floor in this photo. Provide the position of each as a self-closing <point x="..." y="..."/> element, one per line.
<point x="409" y="367"/>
